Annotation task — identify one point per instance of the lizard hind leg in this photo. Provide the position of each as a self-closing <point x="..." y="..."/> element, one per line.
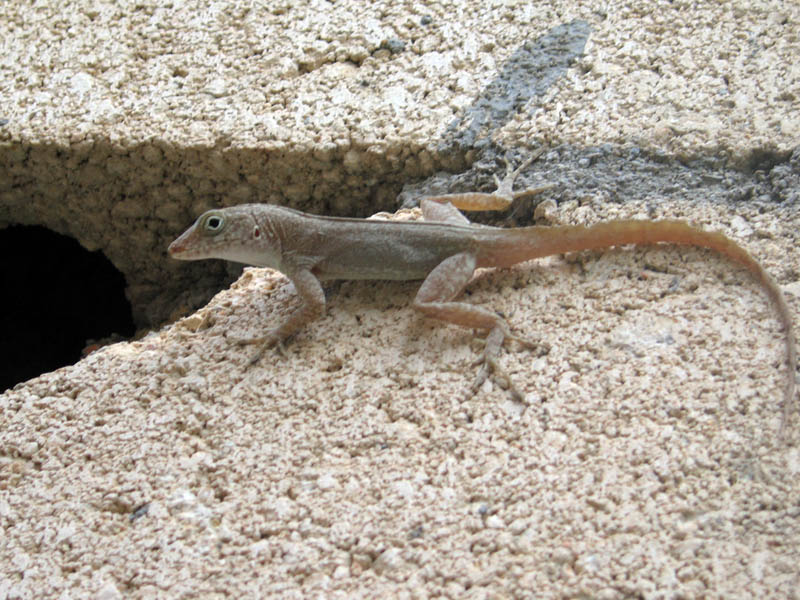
<point x="505" y="186"/>
<point x="435" y="299"/>
<point x="500" y="199"/>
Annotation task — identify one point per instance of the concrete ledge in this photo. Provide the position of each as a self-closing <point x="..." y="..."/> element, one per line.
<point x="646" y="463"/>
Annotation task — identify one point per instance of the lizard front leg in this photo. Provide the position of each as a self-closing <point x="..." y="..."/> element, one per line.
<point x="312" y="296"/>
<point x="434" y="299"/>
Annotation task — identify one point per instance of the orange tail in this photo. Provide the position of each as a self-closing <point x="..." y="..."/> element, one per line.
<point x="517" y="245"/>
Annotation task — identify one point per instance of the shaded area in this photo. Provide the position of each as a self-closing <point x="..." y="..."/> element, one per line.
<point x="57" y="296"/>
<point x="527" y="74"/>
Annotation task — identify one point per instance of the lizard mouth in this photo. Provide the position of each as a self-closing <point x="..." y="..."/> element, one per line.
<point x="176" y="248"/>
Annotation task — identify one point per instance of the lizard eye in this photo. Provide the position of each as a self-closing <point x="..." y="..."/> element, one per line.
<point x="213" y="223"/>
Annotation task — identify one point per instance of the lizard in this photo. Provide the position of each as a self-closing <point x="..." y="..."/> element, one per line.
<point x="443" y="250"/>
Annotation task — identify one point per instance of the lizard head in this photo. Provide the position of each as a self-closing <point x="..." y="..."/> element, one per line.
<point x="227" y="233"/>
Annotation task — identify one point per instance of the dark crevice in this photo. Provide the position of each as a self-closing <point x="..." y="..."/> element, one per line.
<point x="762" y="159"/>
<point x="57" y="296"/>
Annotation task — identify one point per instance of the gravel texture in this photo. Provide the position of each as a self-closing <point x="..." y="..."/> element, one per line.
<point x="646" y="463"/>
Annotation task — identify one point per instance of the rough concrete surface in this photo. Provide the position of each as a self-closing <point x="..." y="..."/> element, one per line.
<point x="646" y="462"/>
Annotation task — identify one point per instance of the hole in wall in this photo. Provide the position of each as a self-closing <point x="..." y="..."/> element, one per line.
<point x="56" y="296"/>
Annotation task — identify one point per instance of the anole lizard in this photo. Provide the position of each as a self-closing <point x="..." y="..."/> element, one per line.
<point x="443" y="250"/>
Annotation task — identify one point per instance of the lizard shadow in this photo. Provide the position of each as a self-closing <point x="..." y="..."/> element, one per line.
<point x="527" y="74"/>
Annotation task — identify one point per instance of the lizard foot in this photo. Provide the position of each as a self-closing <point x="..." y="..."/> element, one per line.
<point x="270" y="343"/>
<point x="505" y="186"/>
<point x="488" y="365"/>
<point x="270" y="340"/>
<point x="488" y="362"/>
<point x="539" y="346"/>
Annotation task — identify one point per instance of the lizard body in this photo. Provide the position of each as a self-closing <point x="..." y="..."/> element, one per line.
<point x="444" y="251"/>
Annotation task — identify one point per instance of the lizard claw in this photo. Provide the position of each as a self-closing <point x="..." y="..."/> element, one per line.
<point x="255" y="358"/>
<point x="488" y="365"/>
<point x="541" y="347"/>
<point x="505" y="186"/>
<point x="488" y="362"/>
<point x="270" y="340"/>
